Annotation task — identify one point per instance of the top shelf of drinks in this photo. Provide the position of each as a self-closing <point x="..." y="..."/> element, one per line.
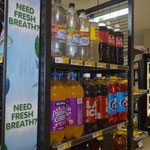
<point x="80" y="38"/>
<point x="85" y="106"/>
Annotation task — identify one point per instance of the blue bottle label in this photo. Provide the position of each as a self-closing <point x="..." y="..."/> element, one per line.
<point x="112" y="103"/>
<point x="122" y="101"/>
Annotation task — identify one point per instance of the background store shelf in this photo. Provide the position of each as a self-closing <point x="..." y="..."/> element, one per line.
<point x="139" y="94"/>
<point x="88" y="137"/>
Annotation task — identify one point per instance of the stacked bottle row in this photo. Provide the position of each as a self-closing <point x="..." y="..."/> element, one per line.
<point x="86" y="105"/>
<point x="77" y="37"/>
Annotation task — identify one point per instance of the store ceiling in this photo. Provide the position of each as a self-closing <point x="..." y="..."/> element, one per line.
<point x="142" y="12"/>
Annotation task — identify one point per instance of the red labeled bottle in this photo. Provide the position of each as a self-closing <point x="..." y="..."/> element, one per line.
<point x="111" y="43"/>
<point x="90" y="104"/>
<point x="102" y="102"/>
<point x="103" y="42"/>
<point x="119" y="45"/>
<point x="122" y="99"/>
<point x="112" y="98"/>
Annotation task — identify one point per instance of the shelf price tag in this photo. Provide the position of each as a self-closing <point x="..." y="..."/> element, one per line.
<point x="89" y="64"/>
<point x="101" y="65"/>
<point x="112" y="66"/>
<point x="97" y="134"/>
<point x="61" y="60"/>
<point x="121" y="125"/>
<point x="1" y="59"/>
<point x="76" y="62"/>
<point x="64" y="146"/>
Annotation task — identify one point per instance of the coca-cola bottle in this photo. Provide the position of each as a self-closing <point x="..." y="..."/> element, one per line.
<point x="119" y="44"/>
<point x="103" y="42"/>
<point x="111" y="43"/>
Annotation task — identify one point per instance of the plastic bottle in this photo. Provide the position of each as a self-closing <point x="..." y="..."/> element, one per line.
<point x="94" y="39"/>
<point x="90" y="104"/>
<point x="122" y="99"/>
<point x="58" y="110"/>
<point x="86" y="146"/>
<point x="102" y="102"/>
<point x="103" y="42"/>
<point x="74" y="108"/>
<point x="73" y="33"/>
<point x="111" y="43"/>
<point x="84" y="36"/>
<point x="119" y="44"/>
<point x="112" y="98"/>
<point x="58" y="30"/>
<point x="61" y="78"/>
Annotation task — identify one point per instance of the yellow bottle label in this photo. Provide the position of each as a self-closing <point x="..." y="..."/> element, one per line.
<point x="94" y="31"/>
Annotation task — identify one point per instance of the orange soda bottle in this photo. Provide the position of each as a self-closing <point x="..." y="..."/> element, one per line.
<point x="74" y="108"/>
<point x="58" y="111"/>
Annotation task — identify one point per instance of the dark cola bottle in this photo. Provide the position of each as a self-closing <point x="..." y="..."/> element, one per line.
<point x="111" y="43"/>
<point x="119" y="45"/>
<point x="102" y="102"/>
<point x="86" y="146"/>
<point x="103" y="42"/>
<point x="90" y="104"/>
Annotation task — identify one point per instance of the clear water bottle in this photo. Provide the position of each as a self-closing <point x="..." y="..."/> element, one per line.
<point x="94" y="39"/>
<point x="58" y="30"/>
<point x="73" y="33"/>
<point x="84" y="36"/>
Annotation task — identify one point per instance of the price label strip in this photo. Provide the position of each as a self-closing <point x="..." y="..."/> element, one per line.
<point x="76" y="62"/>
<point x="97" y="134"/>
<point x="64" y="146"/>
<point x="121" y="125"/>
<point x="101" y="65"/>
<point x="61" y="60"/>
<point x="113" y="66"/>
<point x="89" y="64"/>
<point x="1" y="59"/>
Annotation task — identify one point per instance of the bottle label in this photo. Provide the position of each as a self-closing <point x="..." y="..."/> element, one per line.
<point x="74" y="111"/>
<point x="58" y="115"/>
<point x="111" y="40"/>
<point x="119" y="41"/>
<point x="90" y="110"/>
<point x="112" y="103"/>
<point x="60" y="30"/>
<point x="94" y="32"/>
<point x="84" y="38"/>
<point x="122" y="102"/>
<point x="73" y="36"/>
<point x="102" y="107"/>
<point x="103" y="35"/>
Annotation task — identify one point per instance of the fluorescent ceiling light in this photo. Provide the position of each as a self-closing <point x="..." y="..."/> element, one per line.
<point x="113" y="15"/>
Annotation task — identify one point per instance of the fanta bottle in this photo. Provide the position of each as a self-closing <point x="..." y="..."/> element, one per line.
<point x="90" y="104"/>
<point x="112" y="98"/>
<point x="61" y="78"/>
<point x="122" y="99"/>
<point x="58" y="110"/>
<point x="74" y="108"/>
<point x="102" y="102"/>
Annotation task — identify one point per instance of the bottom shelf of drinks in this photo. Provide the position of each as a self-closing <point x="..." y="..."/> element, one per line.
<point x="86" y="108"/>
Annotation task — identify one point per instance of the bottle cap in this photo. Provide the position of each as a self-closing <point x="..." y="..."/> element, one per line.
<point x="73" y="75"/>
<point x="91" y="16"/>
<point x="87" y="75"/>
<point x="54" y="74"/>
<point x="71" y="5"/>
<point x="107" y="75"/>
<point x="101" y="138"/>
<point x="60" y="75"/>
<point x="98" y="75"/>
<point x="119" y="75"/>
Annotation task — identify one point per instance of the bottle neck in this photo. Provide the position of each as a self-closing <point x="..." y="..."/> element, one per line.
<point x="72" y="10"/>
<point x="87" y="78"/>
<point x="102" y="24"/>
<point x="72" y="78"/>
<point x="117" y="30"/>
<point x="57" y="1"/>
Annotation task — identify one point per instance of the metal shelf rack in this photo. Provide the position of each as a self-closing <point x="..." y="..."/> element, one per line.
<point x="45" y="67"/>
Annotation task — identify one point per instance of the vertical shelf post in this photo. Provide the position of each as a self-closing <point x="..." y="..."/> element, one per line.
<point x="44" y="77"/>
<point x="131" y="72"/>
